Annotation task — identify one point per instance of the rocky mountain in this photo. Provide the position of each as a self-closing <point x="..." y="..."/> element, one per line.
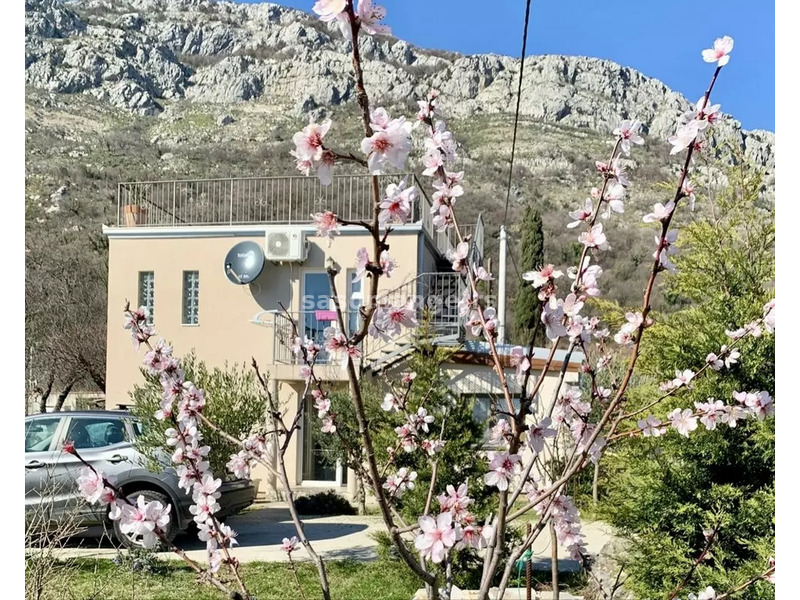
<point x="136" y="53"/>
<point x="122" y="90"/>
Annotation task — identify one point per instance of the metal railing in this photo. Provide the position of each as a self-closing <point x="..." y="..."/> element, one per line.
<point x="279" y="200"/>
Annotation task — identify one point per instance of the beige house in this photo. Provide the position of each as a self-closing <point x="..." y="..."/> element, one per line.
<point x="170" y="252"/>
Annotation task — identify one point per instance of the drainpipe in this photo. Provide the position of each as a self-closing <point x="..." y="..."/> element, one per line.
<point x="501" y="287"/>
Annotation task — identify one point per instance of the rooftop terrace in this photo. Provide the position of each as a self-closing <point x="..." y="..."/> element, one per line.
<point x="269" y="200"/>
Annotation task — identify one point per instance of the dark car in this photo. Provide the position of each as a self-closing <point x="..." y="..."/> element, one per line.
<point x="103" y="439"/>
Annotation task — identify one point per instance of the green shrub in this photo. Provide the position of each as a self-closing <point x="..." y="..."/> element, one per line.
<point x="324" y="503"/>
<point x="234" y="403"/>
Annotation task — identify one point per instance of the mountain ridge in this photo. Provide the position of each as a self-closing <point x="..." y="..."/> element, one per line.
<point x="134" y="54"/>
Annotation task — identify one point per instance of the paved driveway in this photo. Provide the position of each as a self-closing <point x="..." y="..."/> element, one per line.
<point x="262" y="528"/>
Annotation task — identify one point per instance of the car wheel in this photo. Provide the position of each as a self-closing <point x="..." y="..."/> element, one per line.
<point x="135" y="542"/>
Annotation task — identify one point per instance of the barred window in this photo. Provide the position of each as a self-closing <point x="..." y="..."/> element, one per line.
<point x="147" y="296"/>
<point x="191" y="297"/>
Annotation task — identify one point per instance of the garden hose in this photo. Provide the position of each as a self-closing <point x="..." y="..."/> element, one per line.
<point x="521" y="562"/>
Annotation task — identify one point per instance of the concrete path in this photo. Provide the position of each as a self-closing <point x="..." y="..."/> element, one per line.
<point x="262" y="528"/>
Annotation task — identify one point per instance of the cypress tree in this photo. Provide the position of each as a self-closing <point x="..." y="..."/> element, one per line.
<point x="526" y="303"/>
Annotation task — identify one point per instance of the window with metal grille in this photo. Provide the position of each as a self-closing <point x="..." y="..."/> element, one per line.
<point x="147" y="296"/>
<point x="191" y="297"/>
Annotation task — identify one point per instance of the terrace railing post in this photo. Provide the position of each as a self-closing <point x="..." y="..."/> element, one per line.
<point x="119" y="204"/>
<point x="291" y="199"/>
<point x="230" y="219"/>
<point x="174" y="201"/>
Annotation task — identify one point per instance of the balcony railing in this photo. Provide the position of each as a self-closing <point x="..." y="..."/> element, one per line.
<point x="278" y="200"/>
<point x="435" y="296"/>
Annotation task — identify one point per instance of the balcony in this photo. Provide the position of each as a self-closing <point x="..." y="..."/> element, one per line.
<point x="435" y="296"/>
<point x="275" y="200"/>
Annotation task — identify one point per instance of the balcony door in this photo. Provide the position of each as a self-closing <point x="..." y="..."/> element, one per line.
<point x="317" y="307"/>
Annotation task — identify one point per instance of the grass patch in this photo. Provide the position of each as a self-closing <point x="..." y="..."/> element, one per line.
<point x="93" y="579"/>
<point x="349" y="580"/>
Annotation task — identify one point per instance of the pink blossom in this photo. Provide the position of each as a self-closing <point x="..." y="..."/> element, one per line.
<point x="543" y="276"/>
<point x="711" y="413"/>
<point x="769" y="316"/>
<point x="628" y="133"/>
<point x="328" y="426"/>
<point x="370" y="15"/>
<point x="660" y="212"/>
<point x="688" y="192"/>
<point x="651" y="427"/>
<point x="537" y="434"/>
<point x="390" y="142"/>
<point x="714" y="361"/>
<point x="684" y="137"/>
<point x="289" y="545"/>
<point x="502" y="467"/>
<point x="323" y="406"/>
<point x="400" y="482"/>
<point x="594" y="238"/>
<point x="390" y="403"/>
<point x="387" y="264"/>
<point x="459" y="257"/>
<point x="498" y="433"/>
<point x="238" y="465"/>
<point x="92" y="487"/>
<point x="582" y="214"/>
<point x="437" y="536"/>
<point x="683" y="421"/>
<point x="720" y="51"/>
<point x="683" y="378"/>
<point x="519" y="359"/>
<point x="455" y="500"/>
<point x="327" y="225"/>
<point x="308" y="142"/>
<point x="362" y="260"/>
<point x="328" y="10"/>
<point x="145" y="520"/>
<point x="731" y="356"/>
<point x="614" y="196"/>
<point x="207" y="487"/>
<point x="552" y="315"/>
<point x="156" y="359"/>
<point x="481" y="274"/>
<point x="491" y="323"/>
<point x="432" y="447"/>
<point x="708" y="594"/>
<point x="396" y="206"/>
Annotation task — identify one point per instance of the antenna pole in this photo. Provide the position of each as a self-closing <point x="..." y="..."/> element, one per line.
<point x="501" y="286"/>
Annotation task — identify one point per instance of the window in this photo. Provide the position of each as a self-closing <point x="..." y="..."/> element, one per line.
<point x="147" y="293"/>
<point x="191" y="297"/>
<point x="96" y="432"/>
<point x="355" y="299"/>
<point x="39" y="433"/>
<point x="482" y="412"/>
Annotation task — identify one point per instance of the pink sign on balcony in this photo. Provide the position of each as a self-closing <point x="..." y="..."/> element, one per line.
<point x="325" y="315"/>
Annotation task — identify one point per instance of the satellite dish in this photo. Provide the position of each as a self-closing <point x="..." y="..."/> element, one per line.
<point x="244" y="263"/>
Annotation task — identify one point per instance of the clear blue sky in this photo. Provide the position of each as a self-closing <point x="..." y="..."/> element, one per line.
<point x="661" y="38"/>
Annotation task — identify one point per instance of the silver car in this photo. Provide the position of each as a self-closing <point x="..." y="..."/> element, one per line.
<point x="103" y="439"/>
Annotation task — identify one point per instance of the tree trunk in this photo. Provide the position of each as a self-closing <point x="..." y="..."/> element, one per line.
<point x="46" y="394"/>
<point x="63" y="396"/>
<point x="594" y="481"/>
<point x="554" y="560"/>
<point x="360" y="496"/>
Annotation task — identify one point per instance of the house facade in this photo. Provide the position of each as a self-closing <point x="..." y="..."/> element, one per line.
<point x="171" y="249"/>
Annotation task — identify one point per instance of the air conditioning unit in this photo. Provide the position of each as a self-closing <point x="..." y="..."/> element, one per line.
<point x="287" y="244"/>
